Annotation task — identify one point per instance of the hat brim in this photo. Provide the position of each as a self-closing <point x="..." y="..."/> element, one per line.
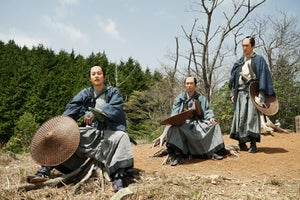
<point x="179" y="119"/>
<point x="55" y="141"/>
<point x="271" y="102"/>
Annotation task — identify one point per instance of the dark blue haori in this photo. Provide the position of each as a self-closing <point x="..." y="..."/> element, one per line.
<point x="246" y="120"/>
<point x="105" y="140"/>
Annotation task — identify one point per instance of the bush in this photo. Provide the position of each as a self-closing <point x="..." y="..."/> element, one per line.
<point x="287" y="92"/>
<point x="24" y="130"/>
<point x="223" y="108"/>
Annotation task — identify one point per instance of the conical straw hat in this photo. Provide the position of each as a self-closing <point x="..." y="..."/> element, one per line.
<point x="271" y="102"/>
<point x="179" y="119"/>
<point x="55" y="141"/>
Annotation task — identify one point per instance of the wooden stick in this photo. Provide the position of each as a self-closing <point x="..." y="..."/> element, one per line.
<point x="85" y="178"/>
<point x="54" y="182"/>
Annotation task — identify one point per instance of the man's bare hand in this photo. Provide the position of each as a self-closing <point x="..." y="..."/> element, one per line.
<point x="88" y="118"/>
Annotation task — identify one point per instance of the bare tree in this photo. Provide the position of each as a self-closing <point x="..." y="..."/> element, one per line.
<point x="118" y="83"/>
<point x="206" y="41"/>
<point x="279" y="41"/>
<point x="171" y="77"/>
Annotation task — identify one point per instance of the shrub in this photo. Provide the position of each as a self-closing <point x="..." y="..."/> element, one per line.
<point x="23" y="132"/>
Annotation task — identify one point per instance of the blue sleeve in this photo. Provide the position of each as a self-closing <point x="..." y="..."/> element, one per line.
<point x="234" y="71"/>
<point x="79" y="104"/>
<point x="205" y="108"/>
<point x="113" y="107"/>
<point x="264" y="76"/>
<point x="178" y="104"/>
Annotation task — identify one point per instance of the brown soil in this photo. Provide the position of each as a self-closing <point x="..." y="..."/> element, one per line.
<point x="277" y="156"/>
<point x="272" y="173"/>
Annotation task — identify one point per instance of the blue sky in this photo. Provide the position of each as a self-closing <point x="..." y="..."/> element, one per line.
<point x="143" y="30"/>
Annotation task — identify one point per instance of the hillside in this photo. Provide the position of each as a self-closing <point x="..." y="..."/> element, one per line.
<point x="272" y="173"/>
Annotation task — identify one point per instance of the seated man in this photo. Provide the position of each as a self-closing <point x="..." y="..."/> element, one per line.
<point x="200" y="136"/>
<point x="103" y="135"/>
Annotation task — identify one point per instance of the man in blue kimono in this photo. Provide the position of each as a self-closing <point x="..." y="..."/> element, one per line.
<point x="246" y="120"/>
<point x="200" y="136"/>
<point x="103" y="135"/>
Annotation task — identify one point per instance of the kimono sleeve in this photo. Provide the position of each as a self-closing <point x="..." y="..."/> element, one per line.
<point x="113" y="108"/>
<point x="205" y="106"/>
<point x="178" y="105"/>
<point x="79" y="104"/>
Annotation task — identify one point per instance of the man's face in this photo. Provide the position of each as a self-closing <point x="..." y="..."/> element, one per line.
<point x="190" y="85"/>
<point x="96" y="76"/>
<point x="247" y="48"/>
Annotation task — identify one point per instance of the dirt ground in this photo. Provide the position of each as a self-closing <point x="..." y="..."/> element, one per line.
<point x="272" y="173"/>
<point x="277" y="156"/>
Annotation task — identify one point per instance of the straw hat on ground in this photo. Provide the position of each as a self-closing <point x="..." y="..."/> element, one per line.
<point x="55" y="141"/>
<point x="271" y="106"/>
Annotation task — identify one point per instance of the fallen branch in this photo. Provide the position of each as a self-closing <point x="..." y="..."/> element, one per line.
<point x="162" y="138"/>
<point x="85" y="178"/>
<point x="276" y="128"/>
<point x="121" y="194"/>
<point x="268" y="127"/>
<point x="162" y="152"/>
<point x="232" y="150"/>
<point x="65" y="179"/>
<point x="101" y="178"/>
<point x="167" y="160"/>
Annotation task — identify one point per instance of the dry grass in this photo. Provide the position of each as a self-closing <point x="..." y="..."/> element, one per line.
<point x="145" y="185"/>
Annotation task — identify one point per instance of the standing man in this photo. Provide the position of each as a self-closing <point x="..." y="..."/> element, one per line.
<point x="200" y="136"/>
<point x="102" y="136"/>
<point x="246" y="120"/>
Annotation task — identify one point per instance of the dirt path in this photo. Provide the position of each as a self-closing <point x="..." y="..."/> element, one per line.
<point x="278" y="156"/>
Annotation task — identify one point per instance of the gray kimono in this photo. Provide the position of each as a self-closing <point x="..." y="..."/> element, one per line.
<point x="246" y="120"/>
<point x="197" y="136"/>
<point x="105" y="140"/>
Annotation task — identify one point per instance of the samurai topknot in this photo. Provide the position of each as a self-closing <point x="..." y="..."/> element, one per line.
<point x="195" y="80"/>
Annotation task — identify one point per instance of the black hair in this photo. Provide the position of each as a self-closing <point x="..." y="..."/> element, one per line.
<point x="103" y="71"/>
<point x="252" y="40"/>
<point x="195" y="80"/>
